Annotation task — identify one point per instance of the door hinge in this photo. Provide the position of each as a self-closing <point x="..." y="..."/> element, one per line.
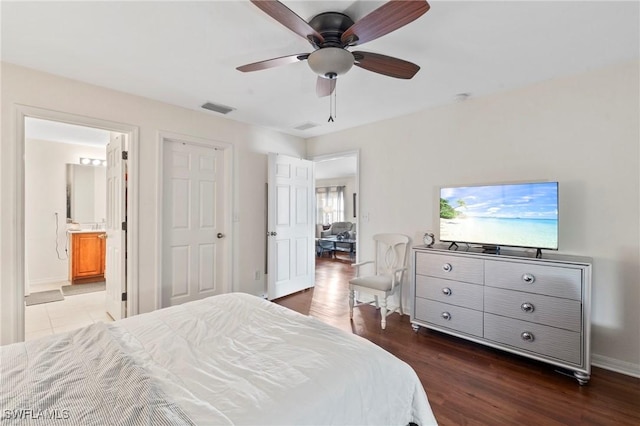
<point x="124" y="226"/>
<point x="124" y="297"/>
<point x="125" y="155"/>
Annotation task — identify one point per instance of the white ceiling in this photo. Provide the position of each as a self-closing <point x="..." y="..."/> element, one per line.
<point x="185" y="53"/>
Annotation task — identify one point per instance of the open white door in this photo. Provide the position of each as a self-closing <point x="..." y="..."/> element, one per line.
<point x="115" y="263"/>
<point x="290" y="226"/>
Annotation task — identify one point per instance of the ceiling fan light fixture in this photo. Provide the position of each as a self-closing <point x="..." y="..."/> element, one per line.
<point x="330" y="62"/>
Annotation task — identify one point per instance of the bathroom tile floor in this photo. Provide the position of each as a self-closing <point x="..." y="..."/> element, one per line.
<point x="69" y="314"/>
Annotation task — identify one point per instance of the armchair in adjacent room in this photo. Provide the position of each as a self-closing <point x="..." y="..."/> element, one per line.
<point x="388" y="268"/>
<point x="338" y="228"/>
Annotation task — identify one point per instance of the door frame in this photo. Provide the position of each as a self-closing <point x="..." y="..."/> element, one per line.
<point x="228" y="151"/>
<point x="335" y="156"/>
<point x="17" y="275"/>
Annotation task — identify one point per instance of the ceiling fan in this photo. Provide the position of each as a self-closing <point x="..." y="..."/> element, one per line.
<point x="332" y="33"/>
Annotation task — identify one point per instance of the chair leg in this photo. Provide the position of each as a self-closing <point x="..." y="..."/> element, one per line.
<point x="383" y="312"/>
<point x="377" y="304"/>
<point x="400" y="300"/>
<point x="351" y="302"/>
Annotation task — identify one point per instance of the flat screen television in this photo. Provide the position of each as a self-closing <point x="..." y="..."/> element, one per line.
<point x="513" y="214"/>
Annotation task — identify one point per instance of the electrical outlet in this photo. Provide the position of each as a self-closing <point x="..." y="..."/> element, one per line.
<point x="257" y="275"/>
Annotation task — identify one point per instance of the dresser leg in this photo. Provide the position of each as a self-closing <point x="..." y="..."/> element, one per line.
<point x="582" y="378"/>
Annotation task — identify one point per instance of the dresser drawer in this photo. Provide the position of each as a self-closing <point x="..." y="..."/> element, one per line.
<point x="550" y="280"/>
<point x="459" y="319"/>
<point x="547" y="310"/>
<point x="547" y="341"/>
<point x="450" y="267"/>
<point x="451" y="292"/>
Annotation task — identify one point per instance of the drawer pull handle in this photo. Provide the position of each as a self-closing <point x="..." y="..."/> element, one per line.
<point x="447" y="267"/>
<point x="446" y="315"/>
<point x="528" y="278"/>
<point x="527" y="336"/>
<point x="446" y="291"/>
<point x="527" y="307"/>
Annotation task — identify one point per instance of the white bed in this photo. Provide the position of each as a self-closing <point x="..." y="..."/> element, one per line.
<point x="229" y="359"/>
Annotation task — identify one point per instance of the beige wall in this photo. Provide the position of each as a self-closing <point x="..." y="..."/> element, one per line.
<point x="582" y="131"/>
<point x="251" y="145"/>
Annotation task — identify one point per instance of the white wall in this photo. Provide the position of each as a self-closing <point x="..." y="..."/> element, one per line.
<point x="582" y="131"/>
<point x="251" y="145"/>
<point x="45" y="195"/>
<point x="349" y="184"/>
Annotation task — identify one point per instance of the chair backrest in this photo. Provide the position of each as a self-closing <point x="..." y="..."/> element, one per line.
<point x="391" y="253"/>
<point x="340" y="227"/>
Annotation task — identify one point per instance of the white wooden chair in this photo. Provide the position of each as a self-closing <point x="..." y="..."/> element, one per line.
<point x="389" y="267"/>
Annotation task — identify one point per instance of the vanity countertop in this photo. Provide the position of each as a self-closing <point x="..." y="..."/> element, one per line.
<point x="85" y="231"/>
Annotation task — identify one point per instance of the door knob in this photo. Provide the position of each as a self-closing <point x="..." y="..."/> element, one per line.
<point x="220" y="235"/>
<point x="527" y="307"/>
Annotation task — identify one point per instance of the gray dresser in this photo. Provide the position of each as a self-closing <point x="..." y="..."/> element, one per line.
<point x="538" y="308"/>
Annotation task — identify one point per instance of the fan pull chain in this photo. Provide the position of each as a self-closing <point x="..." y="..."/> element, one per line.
<point x="333" y="105"/>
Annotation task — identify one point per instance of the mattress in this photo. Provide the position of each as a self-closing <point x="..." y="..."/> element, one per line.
<point x="224" y="360"/>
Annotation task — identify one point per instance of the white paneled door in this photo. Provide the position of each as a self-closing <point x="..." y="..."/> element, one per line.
<point x="290" y="227"/>
<point x="193" y="238"/>
<point x="115" y="272"/>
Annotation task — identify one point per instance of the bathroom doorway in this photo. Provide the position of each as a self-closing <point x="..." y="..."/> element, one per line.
<point x="49" y="212"/>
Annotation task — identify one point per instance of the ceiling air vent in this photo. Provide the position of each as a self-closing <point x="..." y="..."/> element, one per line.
<point x="217" y="108"/>
<point x="305" y="126"/>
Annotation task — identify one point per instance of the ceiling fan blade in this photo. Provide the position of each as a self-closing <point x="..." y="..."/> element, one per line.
<point x="289" y="19"/>
<point x="385" y="19"/>
<point x="325" y="86"/>
<point x="386" y="65"/>
<point x="275" y="62"/>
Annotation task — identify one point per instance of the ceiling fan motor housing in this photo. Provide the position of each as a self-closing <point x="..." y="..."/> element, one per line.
<point x="330" y="59"/>
<point x="331" y="25"/>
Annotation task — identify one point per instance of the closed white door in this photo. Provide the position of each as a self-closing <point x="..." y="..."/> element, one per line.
<point x="290" y="228"/>
<point x="115" y="256"/>
<point x="193" y="239"/>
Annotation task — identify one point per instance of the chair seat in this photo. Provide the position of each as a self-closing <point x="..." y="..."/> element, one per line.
<point x="375" y="282"/>
<point x="389" y="265"/>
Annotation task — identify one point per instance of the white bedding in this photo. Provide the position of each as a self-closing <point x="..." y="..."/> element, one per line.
<point x="237" y="359"/>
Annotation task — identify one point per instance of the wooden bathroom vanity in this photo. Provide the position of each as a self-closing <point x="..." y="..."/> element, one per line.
<point x="87" y="256"/>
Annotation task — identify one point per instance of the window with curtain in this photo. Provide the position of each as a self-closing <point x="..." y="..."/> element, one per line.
<point x="329" y="204"/>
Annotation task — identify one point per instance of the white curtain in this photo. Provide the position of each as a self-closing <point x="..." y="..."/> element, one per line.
<point x="329" y="204"/>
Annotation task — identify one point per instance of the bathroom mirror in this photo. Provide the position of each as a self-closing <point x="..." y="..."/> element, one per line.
<point x="86" y="193"/>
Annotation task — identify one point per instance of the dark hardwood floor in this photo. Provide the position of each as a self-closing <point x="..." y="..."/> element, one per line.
<point x="467" y="383"/>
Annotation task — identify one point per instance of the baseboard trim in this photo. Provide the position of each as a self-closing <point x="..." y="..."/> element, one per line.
<point x="616" y="365"/>
<point x="48" y="280"/>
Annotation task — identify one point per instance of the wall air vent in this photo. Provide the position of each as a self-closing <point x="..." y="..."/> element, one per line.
<point x="305" y="126"/>
<point x="217" y="108"/>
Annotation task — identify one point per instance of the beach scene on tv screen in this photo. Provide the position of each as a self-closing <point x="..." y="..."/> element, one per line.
<point x="524" y="215"/>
